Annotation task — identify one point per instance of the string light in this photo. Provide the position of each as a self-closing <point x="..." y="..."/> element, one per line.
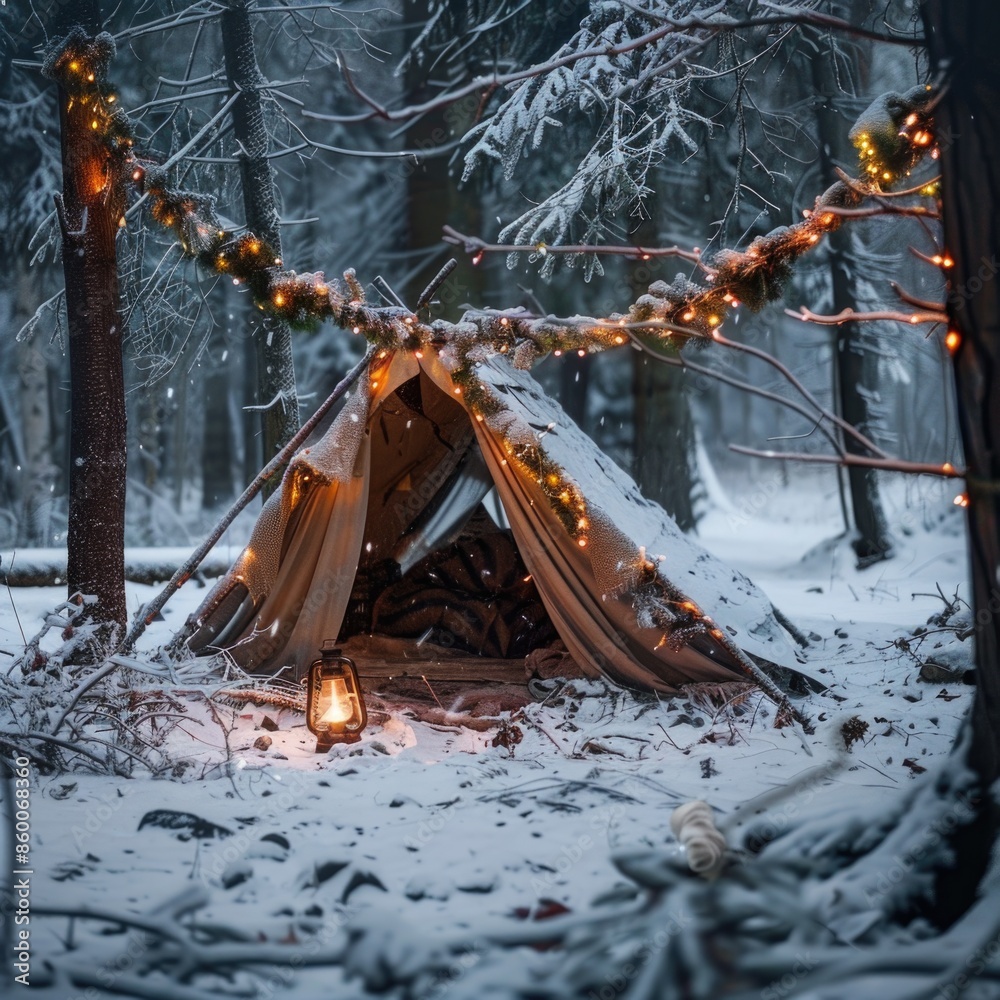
<point x="953" y="340"/>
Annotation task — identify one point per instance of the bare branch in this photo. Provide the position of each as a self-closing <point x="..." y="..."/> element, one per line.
<point x="945" y="471"/>
<point x="670" y="26"/>
<point x="916" y="211"/>
<point x="851" y="316"/>
<point x="911" y="300"/>
<point x="769" y="359"/>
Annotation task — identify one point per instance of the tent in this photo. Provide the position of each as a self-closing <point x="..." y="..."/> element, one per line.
<point x="400" y="474"/>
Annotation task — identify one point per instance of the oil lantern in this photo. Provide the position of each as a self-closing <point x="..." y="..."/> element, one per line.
<point x="335" y="708"/>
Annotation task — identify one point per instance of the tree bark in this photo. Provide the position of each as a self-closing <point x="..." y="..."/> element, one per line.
<point x="39" y="472"/>
<point x="962" y="44"/>
<point x="664" y="466"/>
<point x="272" y="336"/>
<point x="92" y="203"/>
<point x="431" y="195"/>
<point x="217" y="446"/>
<point x="855" y="370"/>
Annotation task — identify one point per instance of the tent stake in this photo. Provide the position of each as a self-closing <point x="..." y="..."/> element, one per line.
<point x="145" y="616"/>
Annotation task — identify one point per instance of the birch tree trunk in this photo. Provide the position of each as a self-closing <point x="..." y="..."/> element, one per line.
<point x="272" y="336"/>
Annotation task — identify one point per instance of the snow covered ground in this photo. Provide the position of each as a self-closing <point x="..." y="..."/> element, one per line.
<point x="431" y="834"/>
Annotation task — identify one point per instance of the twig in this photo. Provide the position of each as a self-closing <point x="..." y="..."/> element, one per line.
<point x="17" y="617"/>
<point x="196" y="138"/>
<point x="912" y="300"/>
<point x="46" y="738"/>
<point x="474" y="246"/>
<point x="672" y="26"/>
<point x="81" y="689"/>
<point x="736" y="383"/>
<point x="851" y="316"/>
<point x="542" y="730"/>
<point x="869" y="191"/>
<point x="387" y="292"/>
<point x="918" y="211"/>
<point x="423" y="677"/>
<point x="786" y="372"/>
<point x="946" y="471"/>
<point x="435" y="283"/>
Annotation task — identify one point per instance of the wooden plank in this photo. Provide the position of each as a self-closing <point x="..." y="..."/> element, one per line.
<point x="471" y="670"/>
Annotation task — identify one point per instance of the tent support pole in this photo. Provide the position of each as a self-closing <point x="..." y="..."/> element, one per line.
<point x="145" y="616"/>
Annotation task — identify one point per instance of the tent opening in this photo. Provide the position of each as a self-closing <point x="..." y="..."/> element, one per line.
<point x="435" y="566"/>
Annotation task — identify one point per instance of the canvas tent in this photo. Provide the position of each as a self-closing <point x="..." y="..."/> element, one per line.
<point x="398" y="473"/>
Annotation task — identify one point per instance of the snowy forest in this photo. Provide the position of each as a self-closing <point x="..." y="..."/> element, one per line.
<point x="499" y="498"/>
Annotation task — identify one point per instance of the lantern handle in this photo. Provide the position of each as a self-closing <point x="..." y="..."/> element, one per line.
<point x="330" y="651"/>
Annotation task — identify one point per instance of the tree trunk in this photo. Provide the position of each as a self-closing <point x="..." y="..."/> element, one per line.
<point x="272" y="336"/>
<point x="962" y="41"/>
<point x="855" y="369"/>
<point x="217" y="446"/>
<point x="92" y="203"/>
<point x="574" y="381"/>
<point x="431" y="196"/>
<point x="40" y="471"/>
<point x="664" y="466"/>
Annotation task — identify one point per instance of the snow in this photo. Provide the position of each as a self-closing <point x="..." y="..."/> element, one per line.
<point x="434" y="842"/>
